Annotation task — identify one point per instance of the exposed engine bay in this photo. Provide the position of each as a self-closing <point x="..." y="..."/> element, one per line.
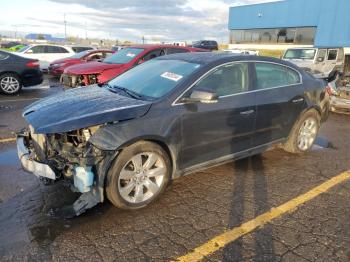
<point x="69" y="157"/>
<point x="78" y="80"/>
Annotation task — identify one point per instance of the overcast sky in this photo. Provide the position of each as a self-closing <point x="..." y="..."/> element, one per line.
<point x="165" y="20"/>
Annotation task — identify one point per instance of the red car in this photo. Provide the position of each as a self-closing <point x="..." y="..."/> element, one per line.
<point x="57" y="67"/>
<point x="118" y="63"/>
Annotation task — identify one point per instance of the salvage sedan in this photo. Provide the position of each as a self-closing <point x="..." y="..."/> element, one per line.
<point x="171" y="116"/>
<point x="112" y="66"/>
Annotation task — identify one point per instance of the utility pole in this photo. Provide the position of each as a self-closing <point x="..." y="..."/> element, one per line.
<point x="85" y="30"/>
<point x="143" y="39"/>
<point x="65" y="26"/>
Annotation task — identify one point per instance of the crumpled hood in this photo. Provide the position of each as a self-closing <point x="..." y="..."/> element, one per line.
<point x="90" y="68"/>
<point x="80" y="108"/>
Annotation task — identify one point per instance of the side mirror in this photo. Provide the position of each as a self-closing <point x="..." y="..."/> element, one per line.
<point x="30" y="51"/>
<point x="201" y="96"/>
<point x="320" y="59"/>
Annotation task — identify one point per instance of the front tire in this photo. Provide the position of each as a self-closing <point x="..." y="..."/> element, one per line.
<point x="138" y="176"/>
<point x="304" y="133"/>
<point x="10" y="84"/>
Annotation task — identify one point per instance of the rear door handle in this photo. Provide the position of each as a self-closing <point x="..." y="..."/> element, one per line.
<point x="246" y="113"/>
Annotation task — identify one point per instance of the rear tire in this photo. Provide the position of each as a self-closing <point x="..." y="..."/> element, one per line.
<point x="10" y="84"/>
<point x="304" y="133"/>
<point x="138" y="176"/>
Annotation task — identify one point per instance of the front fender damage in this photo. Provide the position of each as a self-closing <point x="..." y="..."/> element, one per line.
<point x="96" y="194"/>
<point x="63" y="154"/>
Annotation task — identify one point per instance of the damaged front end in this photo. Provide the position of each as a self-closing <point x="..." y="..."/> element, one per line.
<point x="72" y="81"/>
<point x="70" y="157"/>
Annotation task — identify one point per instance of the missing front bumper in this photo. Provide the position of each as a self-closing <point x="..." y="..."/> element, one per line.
<point x="30" y="165"/>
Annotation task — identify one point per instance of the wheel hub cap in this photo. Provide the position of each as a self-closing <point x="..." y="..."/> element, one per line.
<point x="142" y="177"/>
<point x="307" y="134"/>
<point x="9" y="84"/>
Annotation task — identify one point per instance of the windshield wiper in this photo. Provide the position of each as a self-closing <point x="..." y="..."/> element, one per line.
<point x="125" y="90"/>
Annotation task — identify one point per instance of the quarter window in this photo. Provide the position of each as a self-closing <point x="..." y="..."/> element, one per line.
<point x="332" y="55"/>
<point x="226" y="80"/>
<point x="272" y="75"/>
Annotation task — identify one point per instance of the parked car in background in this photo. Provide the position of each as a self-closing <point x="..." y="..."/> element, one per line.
<point x="80" y="48"/>
<point x="45" y="53"/>
<point x="241" y="51"/>
<point x="9" y="44"/>
<point x="325" y="63"/>
<point x="16" y="72"/>
<point x="118" y="63"/>
<point x="57" y="67"/>
<point x="170" y="116"/>
<point x="15" y="48"/>
<point x="206" y="44"/>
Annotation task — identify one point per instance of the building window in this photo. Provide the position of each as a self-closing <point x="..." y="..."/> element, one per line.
<point x="300" y="35"/>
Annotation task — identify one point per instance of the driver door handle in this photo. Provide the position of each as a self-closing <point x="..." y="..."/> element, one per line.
<point x="246" y="113"/>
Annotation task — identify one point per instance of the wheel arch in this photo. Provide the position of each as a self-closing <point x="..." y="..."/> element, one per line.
<point x="13" y="73"/>
<point x="156" y="140"/>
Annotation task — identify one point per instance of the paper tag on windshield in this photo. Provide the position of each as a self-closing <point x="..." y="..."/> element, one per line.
<point x="171" y="76"/>
<point x="130" y="54"/>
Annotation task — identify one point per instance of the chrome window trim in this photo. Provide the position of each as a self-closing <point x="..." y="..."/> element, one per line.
<point x="247" y="92"/>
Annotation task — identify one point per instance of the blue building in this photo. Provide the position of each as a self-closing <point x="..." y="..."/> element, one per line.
<point x="46" y="37"/>
<point x="320" y="23"/>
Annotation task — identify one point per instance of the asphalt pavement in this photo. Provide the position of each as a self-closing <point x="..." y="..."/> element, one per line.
<point x="194" y="210"/>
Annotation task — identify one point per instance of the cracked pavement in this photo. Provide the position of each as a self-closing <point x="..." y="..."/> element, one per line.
<point x="193" y="209"/>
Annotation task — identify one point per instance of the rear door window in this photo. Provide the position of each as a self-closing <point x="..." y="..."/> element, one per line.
<point x="332" y="54"/>
<point x="273" y="75"/>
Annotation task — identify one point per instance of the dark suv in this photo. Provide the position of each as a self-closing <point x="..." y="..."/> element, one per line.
<point x="167" y="117"/>
<point x="206" y="44"/>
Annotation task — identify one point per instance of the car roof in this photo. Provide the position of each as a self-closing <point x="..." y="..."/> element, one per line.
<point x="207" y="58"/>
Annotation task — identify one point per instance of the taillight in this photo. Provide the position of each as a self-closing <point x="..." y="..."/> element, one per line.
<point x="33" y="64"/>
<point x="329" y="90"/>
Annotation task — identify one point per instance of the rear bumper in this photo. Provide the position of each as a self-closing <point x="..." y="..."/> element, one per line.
<point x="33" y="78"/>
<point x="30" y="165"/>
<point x="55" y="71"/>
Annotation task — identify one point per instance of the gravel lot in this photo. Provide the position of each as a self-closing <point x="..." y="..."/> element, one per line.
<point x="193" y="210"/>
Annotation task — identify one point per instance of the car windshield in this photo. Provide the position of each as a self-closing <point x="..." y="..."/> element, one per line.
<point x="308" y="54"/>
<point x="123" y="56"/>
<point x="81" y="54"/>
<point x="154" y="78"/>
<point x="24" y="48"/>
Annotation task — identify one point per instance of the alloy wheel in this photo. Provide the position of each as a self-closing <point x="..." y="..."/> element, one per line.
<point x="9" y="84"/>
<point x="142" y="177"/>
<point x="307" y="134"/>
